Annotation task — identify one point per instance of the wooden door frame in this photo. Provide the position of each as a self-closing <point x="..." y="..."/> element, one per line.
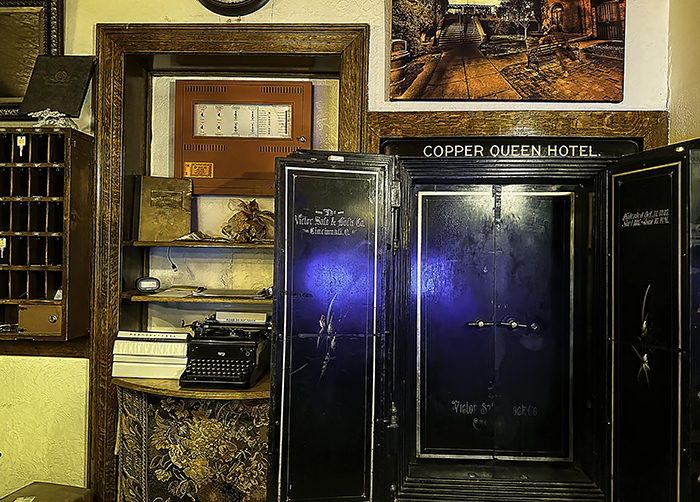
<point x="128" y="55"/>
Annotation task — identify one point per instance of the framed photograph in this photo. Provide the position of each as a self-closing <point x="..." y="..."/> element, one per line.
<point x="507" y="50"/>
<point x="28" y="28"/>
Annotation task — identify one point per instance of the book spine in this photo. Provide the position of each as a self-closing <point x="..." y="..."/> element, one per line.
<point x="141" y="370"/>
<point x="145" y="348"/>
<point x="124" y="358"/>
<point x="154" y="335"/>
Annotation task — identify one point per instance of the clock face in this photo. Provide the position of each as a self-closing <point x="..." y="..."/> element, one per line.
<point x="147" y="284"/>
<point x="233" y="7"/>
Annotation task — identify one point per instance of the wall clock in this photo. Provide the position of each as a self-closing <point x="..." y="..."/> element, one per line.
<point x="233" y="7"/>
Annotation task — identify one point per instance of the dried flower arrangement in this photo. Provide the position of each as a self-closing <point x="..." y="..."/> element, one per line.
<point x="249" y="224"/>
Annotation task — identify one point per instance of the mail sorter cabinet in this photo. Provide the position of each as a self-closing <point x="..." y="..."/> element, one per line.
<point x="46" y="233"/>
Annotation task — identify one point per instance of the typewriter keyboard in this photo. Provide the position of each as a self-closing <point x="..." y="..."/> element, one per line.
<point x="224" y="369"/>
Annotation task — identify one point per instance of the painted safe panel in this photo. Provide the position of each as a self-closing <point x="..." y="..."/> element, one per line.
<point x="647" y="340"/>
<point x="494" y="281"/>
<point x="330" y="322"/>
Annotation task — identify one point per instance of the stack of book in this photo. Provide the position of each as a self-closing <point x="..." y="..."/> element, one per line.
<point x="149" y="354"/>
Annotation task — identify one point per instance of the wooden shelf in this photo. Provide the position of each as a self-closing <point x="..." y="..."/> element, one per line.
<point x="27" y="233"/>
<point x="30" y="198"/>
<point x="47" y="232"/>
<point x="24" y="301"/>
<point x="163" y="387"/>
<point x="199" y="244"/>
<point x="138" y="296"/>
<point x="33" y="268"/>
<point x="33" y="164"/>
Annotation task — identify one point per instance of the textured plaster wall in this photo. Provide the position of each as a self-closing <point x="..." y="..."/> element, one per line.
<point x="645" y="70"/>
<point x="684" y="68"/>
<point x="43" y="413"/>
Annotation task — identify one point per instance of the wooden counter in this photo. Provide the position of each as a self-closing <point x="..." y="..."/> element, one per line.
<point x="171" y="387"/>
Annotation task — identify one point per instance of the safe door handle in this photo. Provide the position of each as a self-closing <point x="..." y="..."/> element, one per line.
<point x="479" y="323"/>
<point x="512" y="324"/>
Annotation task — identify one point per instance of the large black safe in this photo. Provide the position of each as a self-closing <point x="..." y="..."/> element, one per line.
<point x="487" y="319"/>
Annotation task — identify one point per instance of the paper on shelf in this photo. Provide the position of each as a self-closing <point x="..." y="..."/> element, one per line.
<point x="175" y="292"/>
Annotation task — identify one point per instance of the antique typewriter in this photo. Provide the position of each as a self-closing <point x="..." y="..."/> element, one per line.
<point x="227" y="351"/>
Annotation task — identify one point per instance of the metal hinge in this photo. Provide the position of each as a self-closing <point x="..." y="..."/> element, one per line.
<point x="694" y="156"/>
<point x="496" y="193"/>
<point x="395" y="194"/>
<point x="394" y="417"/>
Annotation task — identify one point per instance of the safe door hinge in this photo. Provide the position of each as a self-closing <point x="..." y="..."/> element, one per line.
<point x="694" y="156"/>
<point x="496" y="193"/>
<point x="395" y="194"/>
<point x="393" y="417"/>
<point x="395" y="199"/>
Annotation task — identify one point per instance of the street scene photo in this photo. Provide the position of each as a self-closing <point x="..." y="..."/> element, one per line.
<point x="507" y="50"/>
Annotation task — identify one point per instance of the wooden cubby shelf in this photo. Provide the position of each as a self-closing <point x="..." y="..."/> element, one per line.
<point x="46" y="220"/>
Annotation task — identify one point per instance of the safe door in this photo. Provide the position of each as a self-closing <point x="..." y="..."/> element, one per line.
<point x="329" y="315"/>
<point x="494" y="312"/>
<point x="655" y="354"/>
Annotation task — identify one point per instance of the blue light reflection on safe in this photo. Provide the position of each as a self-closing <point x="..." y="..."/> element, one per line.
<point x="475" y="265"/>
<point x="333" y="232"/>
<point x="456" y="285"/>
<point x="331" y="297"/>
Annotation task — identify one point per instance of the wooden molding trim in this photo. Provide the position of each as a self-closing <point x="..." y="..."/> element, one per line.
<point x="651" y="126"/>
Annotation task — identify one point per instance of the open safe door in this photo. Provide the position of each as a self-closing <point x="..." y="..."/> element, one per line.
<point x="655" y="349"/>
<point x="487" y="329"/>
<point x="331" y="259"/>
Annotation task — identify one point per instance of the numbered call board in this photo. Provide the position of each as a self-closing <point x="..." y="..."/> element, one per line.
<point x="228" y="133"/>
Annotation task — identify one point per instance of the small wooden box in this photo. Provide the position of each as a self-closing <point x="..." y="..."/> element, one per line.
<point x="162" y="208"/>
<point x="40" y="319"/>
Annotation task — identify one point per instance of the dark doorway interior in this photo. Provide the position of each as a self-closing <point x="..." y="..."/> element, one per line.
<point x="500" y="380"/>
